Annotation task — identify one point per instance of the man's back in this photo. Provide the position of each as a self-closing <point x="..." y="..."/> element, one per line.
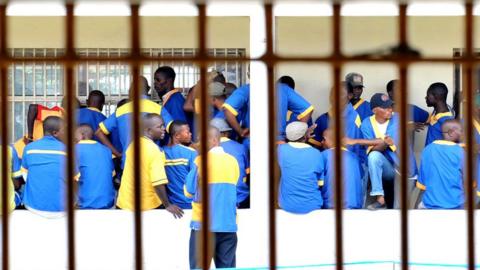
<point x="44" y="163"/>
<point x="96" y="189"/>
<point x="223" y="176"/>
<point x="441" y="175"/>
<point x="153" y="174"/>
<point x="179" y="162"/>
<point x="434" y="131"/>
<point x="301" y="171"/>
<point x="90" y="116"/>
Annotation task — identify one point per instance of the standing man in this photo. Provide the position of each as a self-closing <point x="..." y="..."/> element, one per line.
<point x="92" y="115"/>
<point x="355" y="88"/>
<point x="172" y="98"/>
<point x="223" y="176"/>
<point x="154" y="179"/>
<point x="437" y="98"/>
<point x="302" y="169"/>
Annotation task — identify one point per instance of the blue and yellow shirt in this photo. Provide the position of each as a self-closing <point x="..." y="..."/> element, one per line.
<point x="43" y="164"/>
<point x="179" y="162"/>
<point x="240" y="153"/>
<point x="223" y="174"/>
<point x="302" y="169"/>
<point x="441" y="175"/>
<point x="90" y="116"/>
<point x="370" y="130"/>
<point x="352" y="180"/>
<point x="95" y="189"/>
<point x="363" y="109"/>
<point x="173" y="101"/>
<point x="153" y="174"/>
<point x="352" y="123"/>
<point x="122" y="118"/>
<point x="435" y="122"/>
<point x="16" y="163"/>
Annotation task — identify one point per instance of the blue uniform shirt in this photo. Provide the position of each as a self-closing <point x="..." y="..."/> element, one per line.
<point x="435" y="122"/>
<point x="441" y="175"/>
<point x="90" y="116"/>
<point x="179" y="162"/>
<point x="363" y="109"/>
<point x="95" y="189"/>
<point x="352" y="180"/>
<point x="352" y="123"/>
<point x="44" y="163"/>
<point x="121" y="121"/>
<point x="302" y="169"/>
<point x="173" y="101"/>
<point x="417" y="114"/>
<point x="239" y="152"/>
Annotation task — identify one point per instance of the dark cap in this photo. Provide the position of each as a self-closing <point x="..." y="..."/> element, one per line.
<point x="380" y="100"/>
<point x="354" y="79"/>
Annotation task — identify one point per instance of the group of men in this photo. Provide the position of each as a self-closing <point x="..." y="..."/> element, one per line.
<point x="170" y="160"/>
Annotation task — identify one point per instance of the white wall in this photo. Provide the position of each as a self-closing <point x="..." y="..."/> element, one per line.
<point x="105" y="239"/>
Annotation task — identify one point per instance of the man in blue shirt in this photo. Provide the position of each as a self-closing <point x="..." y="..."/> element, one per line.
<point x="302" y="169"/>
<point x="351" y="175"/>
<point x="172" y="98"/>
<point x="222" y="182"/>
<point x="179" y="162"/>
<point x="92" y="115"/>
<point x="95" y="186"/>
<point x="441" y="170"/>
<point x="240" y="153"/>
<point x="437" y="98"/>
<point x="43" y="165"/>
<point x="355" y="88"/>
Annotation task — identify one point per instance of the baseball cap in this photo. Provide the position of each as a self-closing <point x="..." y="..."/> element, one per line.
<point x="220" y="124"/>
<point x="380" y="100"/>
<point x="296" y="130"/>
<point x="354" y="79"/>
<point x="216" y="89"/>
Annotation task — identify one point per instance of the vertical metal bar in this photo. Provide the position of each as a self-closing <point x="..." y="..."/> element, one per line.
<point x="402" y="29"/>
<point x="135" y="54"/>
<point x="204" y="119"/>
<point x="272" y="136"/>
<point x="338" y="135"/>
<point x="4" y="139"/>
<point x="469" y="70"/>
<point x="70" y="58"/>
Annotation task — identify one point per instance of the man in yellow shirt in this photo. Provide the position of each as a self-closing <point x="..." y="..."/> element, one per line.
<point x="153" y="177"/>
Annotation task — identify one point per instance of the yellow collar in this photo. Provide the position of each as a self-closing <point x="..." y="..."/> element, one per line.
<point x="87" y="142"/>
<point x="434" y="118"/>
<point x="444" y="142"/>
<point x="167" y="96"/>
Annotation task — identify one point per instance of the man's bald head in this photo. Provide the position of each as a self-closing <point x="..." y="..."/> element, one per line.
<point x="53" y="126"/>
<point x="214" y="136"/>
<point x="452" y="130"/>
<point x="153" y="126"/>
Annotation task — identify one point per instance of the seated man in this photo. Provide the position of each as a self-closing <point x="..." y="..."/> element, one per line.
<point x="95" y="186"/>
<point x="302" y="168"/>
<point x="92" y="115"/>
<point x="179" y="162"/>
<point x="240" y="153"/>
<point x="441" y="170"/>
<point x="153" y="191"/>
<point x="351" y="175"/>
<point x="381" y="135"/>
<point x="43" y="165"/>
<point x="222" y="183"/>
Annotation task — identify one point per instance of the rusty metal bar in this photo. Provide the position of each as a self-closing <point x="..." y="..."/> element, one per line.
<point x="204" y="123"/>
<point x="4" y="138"/>
<point x="136" y="126"/>
<point x="69" y="115"/>
<point x="270" y="62"/>
<point x="469" y="71"/>
<point x="338" y="131"/>
<point x="404" y="149"/>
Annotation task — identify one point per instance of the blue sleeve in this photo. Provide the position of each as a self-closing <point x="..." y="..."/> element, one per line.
<point x="322" y="124"/>
<point x="191" y="182"/>
<point x="109" y="124"/>
<point x="326" y="189"/>
<point x="367" y="130"/>
<point x="167" y="118"/>
<point x="419" y="115"/>
<point x="423" y="174"/>
<point x="174" y="106"/>
<point x="297" y="104"/>
<point x="16" y="164"/>
<point x="238" y="101"/>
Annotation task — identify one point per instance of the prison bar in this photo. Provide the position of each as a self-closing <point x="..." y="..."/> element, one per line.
<point x="336" y="59"/>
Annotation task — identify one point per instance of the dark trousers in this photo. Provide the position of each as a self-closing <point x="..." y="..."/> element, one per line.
<point x="224" y="247"/>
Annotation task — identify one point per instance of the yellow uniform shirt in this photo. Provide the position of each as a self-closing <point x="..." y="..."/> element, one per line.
<point x="152" y="165"/>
